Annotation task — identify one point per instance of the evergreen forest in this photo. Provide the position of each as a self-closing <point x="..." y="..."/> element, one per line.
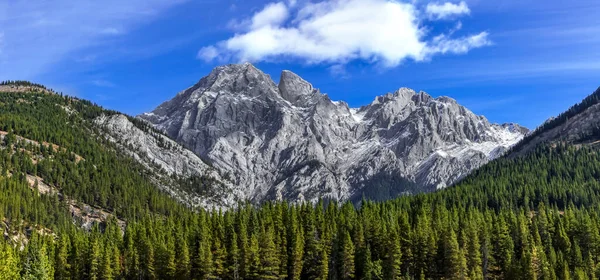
<point x="535" y="216"/>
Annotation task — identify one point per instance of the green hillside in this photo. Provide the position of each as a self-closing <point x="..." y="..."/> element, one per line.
<point x="531" y="217"/>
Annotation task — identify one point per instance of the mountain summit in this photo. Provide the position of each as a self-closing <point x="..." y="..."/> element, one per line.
<point x="289" y="141"/>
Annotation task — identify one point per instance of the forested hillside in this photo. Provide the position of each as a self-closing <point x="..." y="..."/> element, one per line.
<point x="579" y="124"/>
<point x="532" y="217"/>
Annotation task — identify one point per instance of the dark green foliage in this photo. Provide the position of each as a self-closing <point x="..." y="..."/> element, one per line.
<point x="21" y="83"/>
<point x="533" y="217"/>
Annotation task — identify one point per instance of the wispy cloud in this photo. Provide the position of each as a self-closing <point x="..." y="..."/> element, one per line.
<point x="38" y="33"/>
<point x="446" y="10"/>
<point x="111" y="31"/>
<point x="339" y="71"/>
<point x="103" y="83"/>
<point x="385" y="32"/>
<point x="488" y="102"/>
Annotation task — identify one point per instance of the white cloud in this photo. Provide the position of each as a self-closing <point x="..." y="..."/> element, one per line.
<point x="208" y="53"/>
<point x="442" y="44"/>
<point x="386" y="32"/>
<point x="446" y="10"/>
<point x="272" y="15"/>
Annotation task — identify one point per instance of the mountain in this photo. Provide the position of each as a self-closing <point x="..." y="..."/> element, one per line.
<point x="173" y="168"/>
<point x="69" y="147"/>
<point x="87" y="193"/>
<point x="580" y="124"/>
<point x="290" y="141"/>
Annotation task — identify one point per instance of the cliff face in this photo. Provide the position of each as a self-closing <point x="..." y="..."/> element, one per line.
<point x="289" y="141"/>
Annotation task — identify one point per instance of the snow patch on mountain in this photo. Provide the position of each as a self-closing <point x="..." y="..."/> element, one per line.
<point x="290" y="141"/>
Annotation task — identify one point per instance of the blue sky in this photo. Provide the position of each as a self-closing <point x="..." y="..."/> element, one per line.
<point x="512" y="61"/>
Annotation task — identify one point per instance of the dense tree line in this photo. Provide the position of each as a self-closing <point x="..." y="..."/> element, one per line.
<point x="21" y="83"/>
<point x="532" y="217"/>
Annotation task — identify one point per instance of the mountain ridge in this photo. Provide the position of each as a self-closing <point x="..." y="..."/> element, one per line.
<point x="290" y="141"/>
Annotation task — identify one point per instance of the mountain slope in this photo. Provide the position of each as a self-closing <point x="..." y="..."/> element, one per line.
<point x="578" y="125"/>
<point x="289" y="141"/>
<point x="173" y="168"/>
<point x="530" y="217"/>
<point x="56" y="142"/>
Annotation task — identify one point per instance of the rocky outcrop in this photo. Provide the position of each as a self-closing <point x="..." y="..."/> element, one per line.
<point x="579" y="125"/>
<point x="289" y="141"/>
<point x="166" y="159"/>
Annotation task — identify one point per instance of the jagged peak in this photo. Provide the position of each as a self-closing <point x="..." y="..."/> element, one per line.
<point x="293" y="88"/>
<point x="288" y="76"/>
<point x="422" y="97"/>
<point x="237" y="77"/>
<point x="515" y="127"/>
<point x="446" y="99"/>
<point x="234" y="67"/>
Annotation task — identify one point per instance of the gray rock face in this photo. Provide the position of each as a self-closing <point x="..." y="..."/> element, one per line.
<point x="580" y="129"/>
<point x="165" y="158"/>
<point x="289" y="141"/>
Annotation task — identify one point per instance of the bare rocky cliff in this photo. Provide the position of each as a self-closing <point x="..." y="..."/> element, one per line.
<point x="290" y="141"/>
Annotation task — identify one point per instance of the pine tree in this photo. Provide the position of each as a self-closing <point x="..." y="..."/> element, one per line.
<point x="168" y="264"/>
<point x="233" y="256"/>
<point x="61" y="262"/>
<point x="473" y="249"/>
<point x="107" y="266"/>
<point x="502" y="249"/>
<point x="295" y="246"/>
<point x="117" y="266"/>
<point x="37" y="265"/>
<point x="253" y="258"/>
<point x="393" y="258"/>
<point x="313" y="257"/>
<point x="564" y="273"/>
<point x="204" y="262"/>
<point x="347" y="268"/>
<point x="219" y="256"/>
<point x="455" y="266"/>
<point x="269" y="263"/>
<point x="9" y="266"/>
<point x="183" y="260"/>
<point x="132" y="259"/>
<point x="95" y="259"/>
<point x="367" y="265"/>
<point x="148" y="257"/>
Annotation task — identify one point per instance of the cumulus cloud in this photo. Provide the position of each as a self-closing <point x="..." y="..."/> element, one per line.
<point x="446" y="10"/>
<point x="272" y="15"/>
<point x="386" y="32"/>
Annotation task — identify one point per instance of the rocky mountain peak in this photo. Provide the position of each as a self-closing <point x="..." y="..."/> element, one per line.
<point x="240" y="78"/>
<point x="446" y="99"/>
<point x="288" y="141"/>
<point x="422" y="98"/>
<point x="294" y="89"/>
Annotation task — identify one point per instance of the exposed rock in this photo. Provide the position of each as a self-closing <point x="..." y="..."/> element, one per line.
<point x="581" y="128"/>
<point x="166" y="158"/>
<point x="289" y="141"/>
